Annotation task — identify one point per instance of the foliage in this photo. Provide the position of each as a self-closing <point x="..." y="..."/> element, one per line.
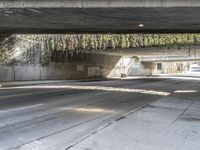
<point x="7" y="43"/>
<point x="45" y="48"/>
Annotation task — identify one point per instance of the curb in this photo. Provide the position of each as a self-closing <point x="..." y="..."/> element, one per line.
<point x="24" y="84"/>
<point x="15" y="84"/>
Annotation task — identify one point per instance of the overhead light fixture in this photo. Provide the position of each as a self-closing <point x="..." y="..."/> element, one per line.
<point x="141" y="25"/>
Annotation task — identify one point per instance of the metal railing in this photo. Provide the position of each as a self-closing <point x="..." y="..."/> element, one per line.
<point x="170" y="58"/>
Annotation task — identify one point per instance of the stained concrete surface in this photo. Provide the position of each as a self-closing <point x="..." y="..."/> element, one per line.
<point x="80" y="67"/>
<point x="97" y="3"/>
<point x="168" y="124"/>
<point x="100" y="20"/>
<point x="56" y="117"/>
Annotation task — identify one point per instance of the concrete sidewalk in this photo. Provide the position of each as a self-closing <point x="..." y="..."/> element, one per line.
<point x="170" y="123"/>
<point x="28" y="83"/>
<point x="24" y="83"/>
<point x="166" y="76"/>
<point x="161" y="76"/>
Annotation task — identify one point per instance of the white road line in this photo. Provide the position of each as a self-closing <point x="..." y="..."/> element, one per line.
<point x="101" y="88"/>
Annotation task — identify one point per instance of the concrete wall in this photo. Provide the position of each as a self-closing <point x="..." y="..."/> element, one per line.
<point x="85" y="66"/>
<point x="130" y="66"/>
<point x="7" y="73"/>
<point x="173" y="67"/>
<point x="50" y="72"/>
<point x="81" y="67"/>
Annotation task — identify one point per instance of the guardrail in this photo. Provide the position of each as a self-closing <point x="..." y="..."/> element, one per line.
<point x="170" y="58"/>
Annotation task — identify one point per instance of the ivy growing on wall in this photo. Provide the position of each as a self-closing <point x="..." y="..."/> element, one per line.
<point x="7" y="44"/>
<point x="46" y="48"/>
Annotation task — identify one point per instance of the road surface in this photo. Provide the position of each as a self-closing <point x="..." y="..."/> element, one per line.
<point x="98" y="114"/>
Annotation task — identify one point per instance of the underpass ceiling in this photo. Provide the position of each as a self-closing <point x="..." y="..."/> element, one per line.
<point x="100" y="20"/>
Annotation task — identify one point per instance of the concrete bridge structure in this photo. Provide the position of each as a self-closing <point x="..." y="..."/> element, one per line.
<point x="99" y="16"/>
<point x="170" y="59"/>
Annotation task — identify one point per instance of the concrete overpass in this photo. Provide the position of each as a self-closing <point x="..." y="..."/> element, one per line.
<point x="155" y="51"/>
<point x="105" y="16"/>
<point x="169" y="59"/>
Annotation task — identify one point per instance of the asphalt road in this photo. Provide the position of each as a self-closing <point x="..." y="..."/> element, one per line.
<point x="59" y="116"/>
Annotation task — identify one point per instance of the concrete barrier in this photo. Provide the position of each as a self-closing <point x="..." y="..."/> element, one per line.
<point x="90" y="66"/>
<point x="49" y="72"/>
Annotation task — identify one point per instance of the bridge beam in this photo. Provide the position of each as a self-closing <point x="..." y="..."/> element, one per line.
<point x="97" y="3"/>
<point x="99" y="16"/>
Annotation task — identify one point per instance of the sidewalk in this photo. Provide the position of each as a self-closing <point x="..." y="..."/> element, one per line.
<point x="166" y="76"/>
<point x="170" y="123"/>
<point x="24" y="83"/>
<point x="162" y="76"/>
<point x="28" y="83"/>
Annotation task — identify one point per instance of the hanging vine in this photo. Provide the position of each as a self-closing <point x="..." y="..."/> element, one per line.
<point x="44" y="49"/>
